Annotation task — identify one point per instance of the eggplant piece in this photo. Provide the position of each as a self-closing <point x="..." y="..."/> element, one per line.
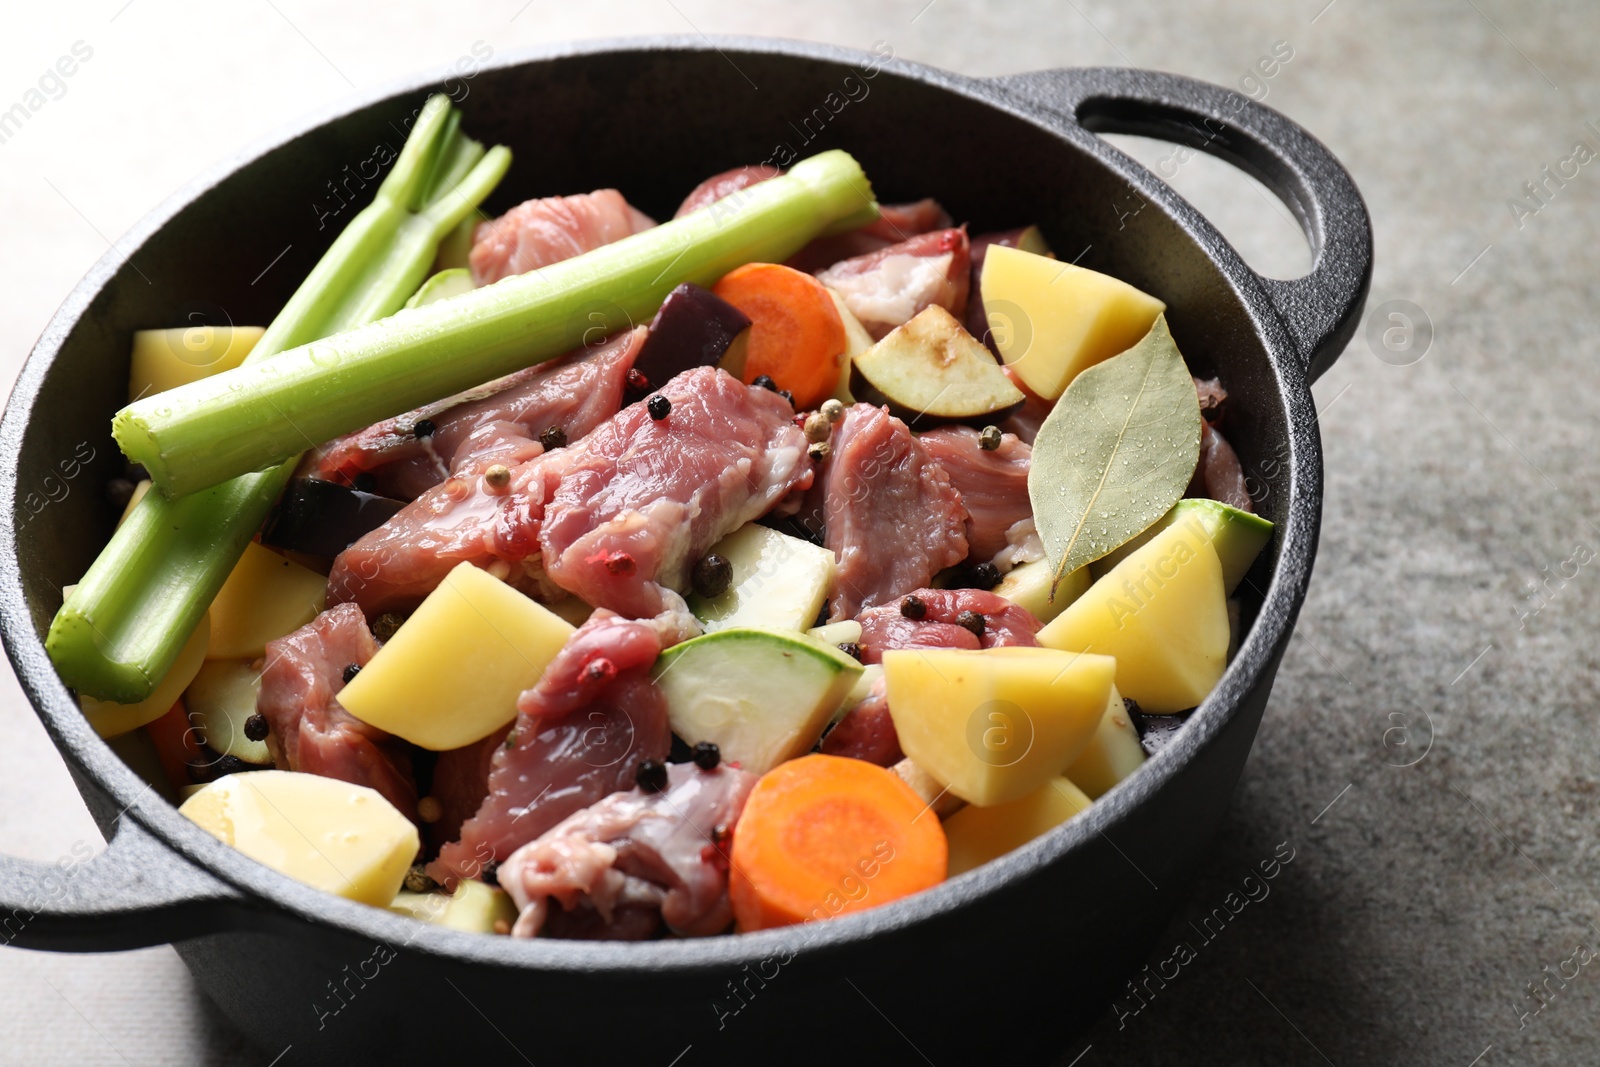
<point x="1027" y="238"/>
<point x="324" y="518"/>
<point x="1155" y="731"/>
<point x="694" y="328"/>
<point x="932" y="371"/>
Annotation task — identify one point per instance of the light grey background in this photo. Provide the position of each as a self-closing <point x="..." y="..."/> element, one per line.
<point x="1421" y="900"/>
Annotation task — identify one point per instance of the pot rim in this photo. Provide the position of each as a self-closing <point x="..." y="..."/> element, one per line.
<point x="265" y="894"/>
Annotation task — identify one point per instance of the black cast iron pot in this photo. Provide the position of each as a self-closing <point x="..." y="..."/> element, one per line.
<point x="1001" y="965"/>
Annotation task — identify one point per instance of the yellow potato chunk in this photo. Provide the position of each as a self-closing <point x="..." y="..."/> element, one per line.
<point x="1162" y="613"/>
<point x="265" y="597"/>
<point x="978" y="835"/>
<point x="166" y="359"/>
<point x="329" y="834"/>
<point x="1113" y="753"/>
<point x="1052" y="320"/>
<point x="452" y="673"/>
<point x="995" y="724"/>
<point x="111" y="719"/>
<point x="1028" y="587"/>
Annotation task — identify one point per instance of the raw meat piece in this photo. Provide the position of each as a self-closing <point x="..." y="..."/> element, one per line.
<point x="895" y="223"/>
<point x="499" y="422"/>
<point x="310" y="730"/>
<point x="461" y="519"/>
<point x="867" y="732"/>
<point x="1005" y="624"/>
<point x="633" y="854"/>
<point x="887" y="287"/>
<point x="727" y="183"/>
<point x="580" y="735"/>
<point x="891" y="515"/>
<point x="549" y="229"/>
<point x="993" y="485"/>
<point x="643" y="499"/>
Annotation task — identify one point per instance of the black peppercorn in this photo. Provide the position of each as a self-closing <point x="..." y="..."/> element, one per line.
<point x="851" y="649"/>
<point x="764" y="381"/>
<point x="490" y="873"/>
<point x="912" y="607"/>
<point x="711" y="576"/>
<point x="989" y="439"/>
<point x="787" y="396"/>
<point x="553" y="438"/>
<point x="119" y="491"/>
<point x="707" y="755"/>
<point x="424" y="428"/>
<point x="350" y="672"/>
<point x="256" y="727"/>
<point x="386" y="624"/>
<point x="985" y="576"/>
<point x="971" y="620"/>
<point x="652" y="776"/>
<point x="659" y="406"/>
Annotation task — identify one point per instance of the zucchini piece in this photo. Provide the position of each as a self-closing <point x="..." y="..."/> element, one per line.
<point x="779" y="582"/>
<point x="763" y="696"/>
<point x="442" y="286"/>
<point x="1028" y="586"/>
<point x="474" y="907"/>
<point x="219" y="700"/>
<point x="1238" y="536"/>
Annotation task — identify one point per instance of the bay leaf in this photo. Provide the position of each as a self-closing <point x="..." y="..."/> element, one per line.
<point x="1116" y="452"/>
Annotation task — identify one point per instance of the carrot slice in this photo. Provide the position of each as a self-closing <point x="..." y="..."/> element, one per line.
<point x="177" y="742"/>
<point x="796" y="336"/>
<point x="825" y="835"/>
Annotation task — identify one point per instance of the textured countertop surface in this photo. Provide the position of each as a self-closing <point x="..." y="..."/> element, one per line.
<point x="1430" y="753"/>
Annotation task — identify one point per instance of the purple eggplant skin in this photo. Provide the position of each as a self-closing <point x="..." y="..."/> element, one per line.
<point x="322" y="518"/>
<point x="1157" y="731"/>
<point x="1027" y="238"/>
<point x="694" y="328"/>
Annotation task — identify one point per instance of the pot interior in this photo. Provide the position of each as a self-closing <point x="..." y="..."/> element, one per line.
<point x="651" y="123"/>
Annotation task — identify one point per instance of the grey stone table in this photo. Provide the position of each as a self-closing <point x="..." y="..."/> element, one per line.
<point x="1430" y="756"/>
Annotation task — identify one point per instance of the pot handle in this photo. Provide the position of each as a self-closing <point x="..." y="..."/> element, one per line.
<point x="1321" y="309"/>
<point x="136" y="893"/>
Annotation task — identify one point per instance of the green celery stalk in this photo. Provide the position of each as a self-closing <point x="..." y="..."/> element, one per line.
<point x="118" y="633"/>
<point x="256" y="415"/>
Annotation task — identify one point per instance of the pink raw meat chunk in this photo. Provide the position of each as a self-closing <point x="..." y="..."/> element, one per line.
<point x="499" y="422"/>
<point x="867" y="731"/>
<point x="993" y="485"/>
<point x="537" y="233"/>
<point x="644" y="498"/>
<point x="892" y="517"/>
<point x="1005" y="624"/>
<point x="725" y="184"/>
<point x="632" y="860"/>
<point x="459" y="520"/>
<point x="895" y="223"/>
<point x="310" y="730"/>
<point x="888" y="287"/>
<point x="580" y="735"/>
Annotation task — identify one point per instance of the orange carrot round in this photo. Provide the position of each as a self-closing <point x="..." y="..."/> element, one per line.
<point x="176" y="743"/>
<point x="825" y="835"/>
<point x="796" y="336"/>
